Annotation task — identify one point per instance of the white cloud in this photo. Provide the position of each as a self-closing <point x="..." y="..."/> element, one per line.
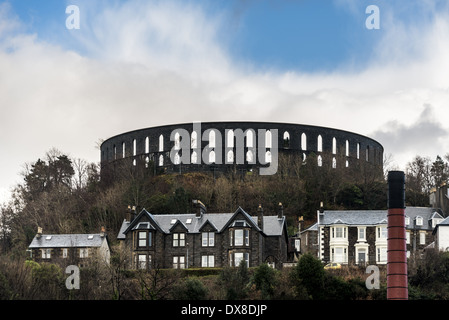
<point x="146" y="64"/>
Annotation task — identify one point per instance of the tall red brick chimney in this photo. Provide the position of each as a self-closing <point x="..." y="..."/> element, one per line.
<point x="397" y="281"/>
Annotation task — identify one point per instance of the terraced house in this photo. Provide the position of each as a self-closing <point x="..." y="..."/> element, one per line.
<point x="360" y="237"/>
<point x="204" y="239"/>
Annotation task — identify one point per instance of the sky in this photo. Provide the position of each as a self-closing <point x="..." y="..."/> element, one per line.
<point x="135" y="64"/>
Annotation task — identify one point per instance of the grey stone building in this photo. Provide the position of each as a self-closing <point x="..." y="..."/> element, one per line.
<point x="204" y="239"/>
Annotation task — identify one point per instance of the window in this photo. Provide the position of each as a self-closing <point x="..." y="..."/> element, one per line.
<point x="249" y="139"/>
<point x="320" y="144"/>
<point x="230" y="139"/>
<point x="334" y="146"/>
<point x="207" y="261"/>
<point x="179" y="239"/>
<point x="46" y="253"/>
<point x="268" y="157"/>
<point x="286" y="139"/>
<point x="65" y="252"/>
<point x="84" y="252"/>
<point x="339" y="254"/>
<point x="177" y="159"/>
<point x="230" y="157"/>
<point x="147" y="145"/>
<point x="238" y="257"/>
<point x="419" y="221"/>
<point x="303" y="142"/>
<point x="193" y="140"/>
<point x="358" y="150"/>
<point x="134" y="147"/>
<point x="212" y="157"/>
<point x="422" y="238"/>
<point x="177" y="141"/>
<point x="407" y="221"/>
<point x="179" y="262"/>
<point x="123" y="150"/>
<point x="194" y="157"/>
<point x="161" y="143"/>
<point x="208" y="239"/>
<point x="212" y="139"/>
<point x="338" y="232"/>
<point x="144" y="239"/>
<point x="142" y="261"/>
<point x="382" y="233"/>
<point x="381" y="255"/>
<point x="161" y="160"/>
<point x="347" y="148"/>
<point x="268" y="139"/>
<point x="240" y="237"/>
<point x="362" y="233"/>
<point x="320" y="161"/>
<point x="407" y="236"/>
<point x="249" y="156"/>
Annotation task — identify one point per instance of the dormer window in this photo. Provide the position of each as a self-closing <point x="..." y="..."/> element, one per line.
<point x="419" y="221"/>
<point x="407" y="221"/>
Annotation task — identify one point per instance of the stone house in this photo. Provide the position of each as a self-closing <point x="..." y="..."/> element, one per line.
<point x="70" y="249"/>
<point x="204" y="239"/>
<point x="360" y="236"/>
<point x="441" y="234"/>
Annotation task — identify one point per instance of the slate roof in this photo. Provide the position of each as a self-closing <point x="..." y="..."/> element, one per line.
<point x="445" y="222"/>
<point x="67" y="241"/>
<point x="377" y="217"/>
<point x="272" y="225"/>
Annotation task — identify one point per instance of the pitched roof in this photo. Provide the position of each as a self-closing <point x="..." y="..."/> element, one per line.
<point x="377" y="217"/>
<point x="272" y="225"/>
<point x="67" y="240"/>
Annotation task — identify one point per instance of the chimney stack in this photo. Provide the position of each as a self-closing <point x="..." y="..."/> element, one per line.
<point x="280" y="211"/>
<point x="131" y="213"/>
<point x="39" y="232"/>
<point x="260" y="217"/>
<point x="200" y="208"/>
<point x="397" y="282"/>
<point x="102" y="231"/>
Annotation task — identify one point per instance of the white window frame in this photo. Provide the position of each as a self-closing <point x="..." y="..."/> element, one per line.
<point x="179" y="262"/>
<point x="65" y="253"/>
<point x="241" y="237"/>
<point x="361" y="233"/>
<point x="179" y="239"/>
<point x="84" y="252"/>
<point x="422" y="238"/>
<point x="381" y="255"/>
<point x="419" y="221"/>
<point x="382" y="233"/>
<point x="142" y="239"/>
<point x="339" y="257"/>
<point x="208" y="239"/>
<point x="46" y="253"/>
<point x="208" y="261"/>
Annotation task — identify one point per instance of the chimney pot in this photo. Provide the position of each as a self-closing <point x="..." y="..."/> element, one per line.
<point x="280" y="211"/>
